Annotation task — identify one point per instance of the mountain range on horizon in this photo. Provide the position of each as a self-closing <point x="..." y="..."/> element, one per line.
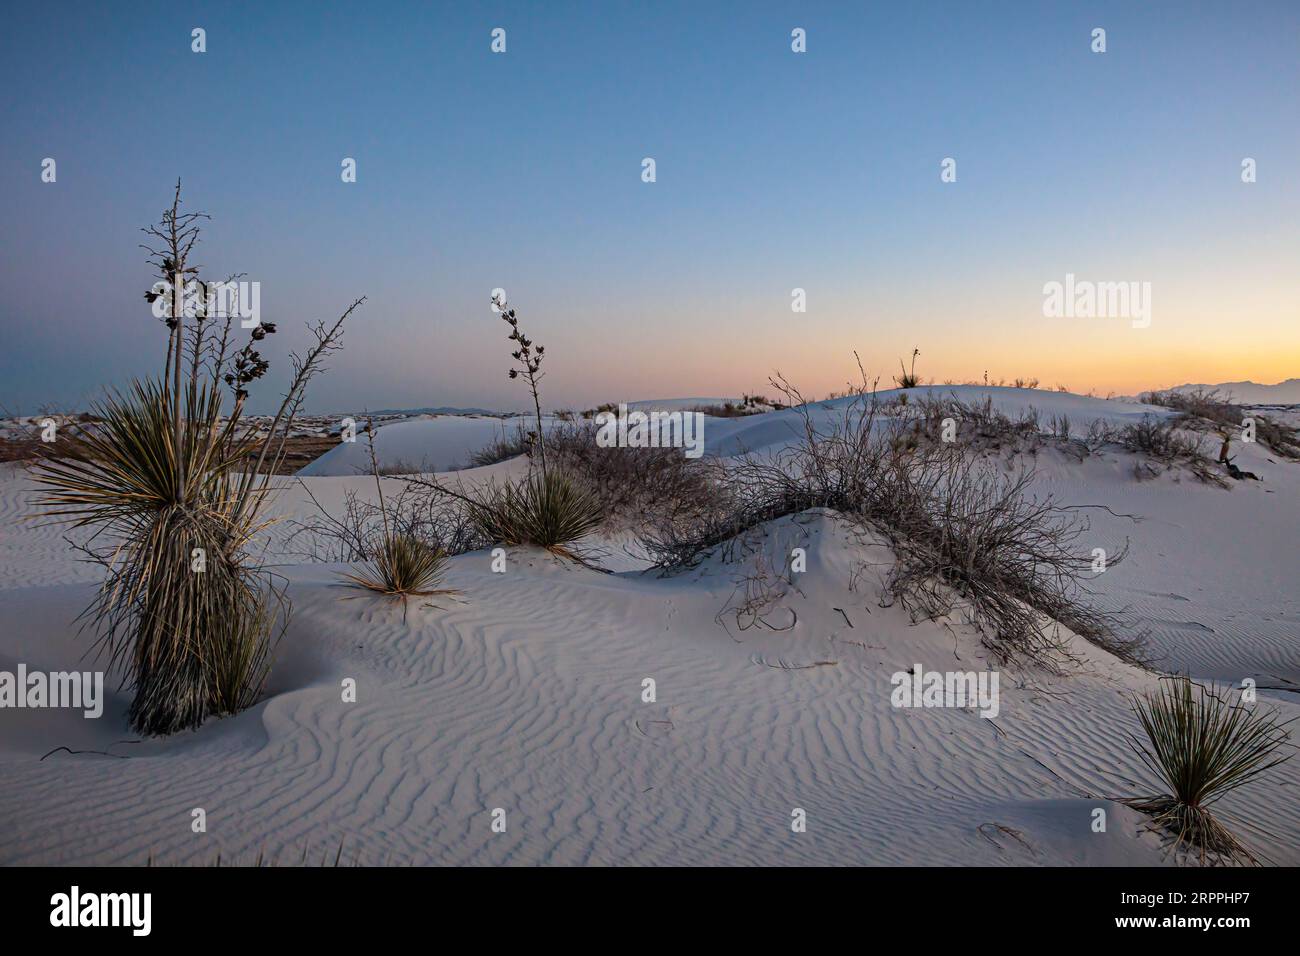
<point x="1252" y="393"/>
<point x="439" y="410"/>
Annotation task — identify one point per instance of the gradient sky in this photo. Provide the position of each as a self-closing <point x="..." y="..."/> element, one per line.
<point x="775" y="171"/>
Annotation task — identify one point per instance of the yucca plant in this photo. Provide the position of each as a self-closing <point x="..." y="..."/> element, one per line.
<point x="547" y="509"/>
<point x="174" y="491"/>
<point x="530" y="356"/>
<point x="908" y="379"/>
<point x="402" y="565"/>
<point x="1201" y="747"/>
<point x="181" y="609"/>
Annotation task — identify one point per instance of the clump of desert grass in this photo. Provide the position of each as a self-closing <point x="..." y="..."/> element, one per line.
<point x="1202" y="747"/>
<point x="163" y="481"/>
<point x="1161" y="445"/>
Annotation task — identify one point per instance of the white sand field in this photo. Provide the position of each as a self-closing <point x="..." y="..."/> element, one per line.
<point x="525" y="694"/>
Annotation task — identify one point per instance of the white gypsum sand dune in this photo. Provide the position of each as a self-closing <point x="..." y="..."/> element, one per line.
<point x="446" y="442"/>
<point x="427" y="443"/>
<point x="525" y="694"/>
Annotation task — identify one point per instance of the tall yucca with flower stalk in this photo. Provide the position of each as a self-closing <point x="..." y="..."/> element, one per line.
<point x="547" y="508"/>
<point x="529" y="355"/>
<point x="176" y="492"/>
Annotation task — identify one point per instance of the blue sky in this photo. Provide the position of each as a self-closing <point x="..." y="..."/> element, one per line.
<point x="775" y="170"/>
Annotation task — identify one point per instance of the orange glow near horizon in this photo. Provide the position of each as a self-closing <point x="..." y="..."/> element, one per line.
<point x="1101" y="355"/>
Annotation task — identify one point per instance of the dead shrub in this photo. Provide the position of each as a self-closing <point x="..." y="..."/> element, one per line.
<point x="966" y="536"/>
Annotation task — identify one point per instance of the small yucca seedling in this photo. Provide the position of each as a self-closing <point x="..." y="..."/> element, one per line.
<point x="1201" y="747"/>
<point x="402" y="566"/>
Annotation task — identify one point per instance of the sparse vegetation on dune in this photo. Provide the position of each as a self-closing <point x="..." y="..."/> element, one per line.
<point x="967" y="537"/>
<point x="505" y="446"/>
<point x="400" y="466"/>
<point x="1210" y="411"/>
<point x="593" y="412"/>
<point x="1159" y="444"/>
<point x="975" y="424"/>
<point x="748" y="405"/>
<point x="725" y="410"/>
<point x="635" y="486"/>
<point x="626" y="487"/>
<point x="684" y="504"/>
<point x="359" y="529"/>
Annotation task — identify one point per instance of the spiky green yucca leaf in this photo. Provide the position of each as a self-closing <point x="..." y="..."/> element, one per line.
<point x="548" y="510"/>
<point x="402" y="566"/>
<point x="1202" y="747"/>
<point x="127" y="466"/>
